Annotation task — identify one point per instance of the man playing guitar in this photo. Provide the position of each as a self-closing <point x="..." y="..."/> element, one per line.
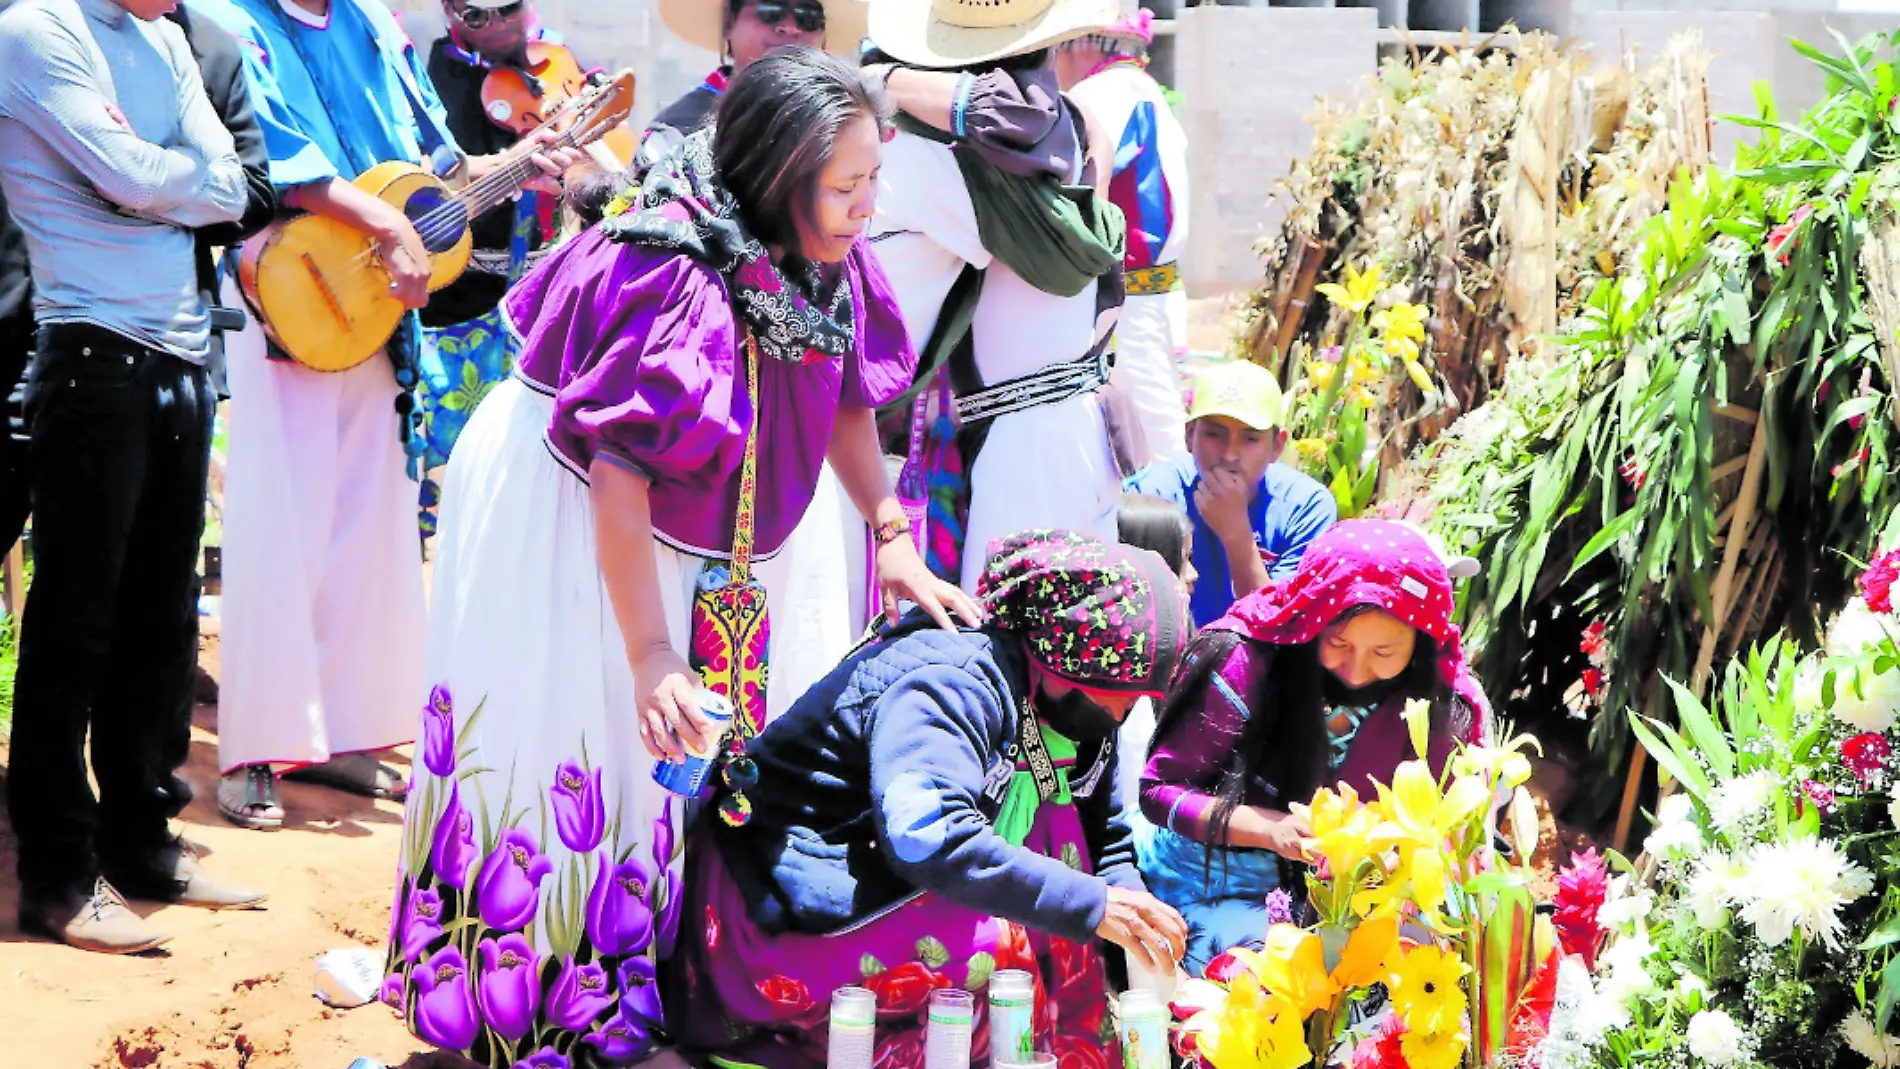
<point x="323" y="606"/>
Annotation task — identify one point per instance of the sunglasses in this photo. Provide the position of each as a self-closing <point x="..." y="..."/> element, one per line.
<point x="477" y="17"/>
<point x="810" y="18"/>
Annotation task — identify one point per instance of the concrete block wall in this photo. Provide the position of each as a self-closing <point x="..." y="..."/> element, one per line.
<point x="1249" y="77"/>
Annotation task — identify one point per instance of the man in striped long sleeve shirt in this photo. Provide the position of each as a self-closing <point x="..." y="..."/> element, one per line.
<point x="110" y="155"/>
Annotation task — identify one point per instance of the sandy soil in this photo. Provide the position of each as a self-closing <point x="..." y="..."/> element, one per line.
<point x="232" y="990"/>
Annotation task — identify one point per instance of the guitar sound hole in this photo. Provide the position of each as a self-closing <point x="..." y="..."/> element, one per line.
<point x="439" y="219"/>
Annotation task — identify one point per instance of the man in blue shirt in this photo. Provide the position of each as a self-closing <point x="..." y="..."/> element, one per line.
<point x="1253" y="518"/>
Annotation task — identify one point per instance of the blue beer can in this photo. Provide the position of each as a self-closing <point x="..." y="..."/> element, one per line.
<point x="688" y="778"/>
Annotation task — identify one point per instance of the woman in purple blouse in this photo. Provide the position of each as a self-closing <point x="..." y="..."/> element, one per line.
<point x="1301" y="685"/>
<point x="711" y="348"/>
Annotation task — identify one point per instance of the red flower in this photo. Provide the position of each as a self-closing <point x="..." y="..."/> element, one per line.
<point x="1073" y="1052"/>
<point x="1530" y="1022"/>
<point x="1012" y="949"/>
<point x="905" y="1050"/>
<point x="1819" y="793"/>
<point x="1593" y="682"/>
<point x="712" y="931"/>
<point x="1865" y="754"/>
<point x="788" y="996"/>
<point x="1632" y="473"/>
<point x="1581" y="889"/>
<point x="1594" y="643"/>
<point x="1073" y="960"/>
<point x="1782" y="235"/>
<point x="905" y="990"/>
<point x="1876" y="583"/>
<point x="1380" y="1050"/>
<point x="1225" y="969"/>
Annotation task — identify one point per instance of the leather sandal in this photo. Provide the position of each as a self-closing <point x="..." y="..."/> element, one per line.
<point x="354" y="773"/>
<point x="248" y="798"/>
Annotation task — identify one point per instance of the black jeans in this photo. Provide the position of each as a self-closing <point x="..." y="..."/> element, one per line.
<point x="120" y="443"/>
<point x="14" y="491"/>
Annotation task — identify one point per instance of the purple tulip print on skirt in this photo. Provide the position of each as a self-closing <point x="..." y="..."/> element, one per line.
<point x="540" y="879"/>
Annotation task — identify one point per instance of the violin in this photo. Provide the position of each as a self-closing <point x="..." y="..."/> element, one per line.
<point x="521" y="99"/>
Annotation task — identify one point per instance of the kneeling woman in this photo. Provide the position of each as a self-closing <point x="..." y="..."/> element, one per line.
<point x="685" y="369"/>
<point x="1300" y="686"/>
<point x="901" y="841"/>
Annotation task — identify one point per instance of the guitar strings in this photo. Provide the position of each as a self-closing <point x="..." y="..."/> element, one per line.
<point x="454" y="215"/>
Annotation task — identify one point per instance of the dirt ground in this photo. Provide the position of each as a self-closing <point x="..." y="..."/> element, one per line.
<point x="232" y="990"/>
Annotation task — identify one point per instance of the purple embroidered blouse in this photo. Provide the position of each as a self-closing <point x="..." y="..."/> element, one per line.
<point x="1189" y="755"/>
<point x="638" y="347"/>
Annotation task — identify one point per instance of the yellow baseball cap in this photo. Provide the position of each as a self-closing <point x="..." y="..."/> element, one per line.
<point x="1240" y="390"/>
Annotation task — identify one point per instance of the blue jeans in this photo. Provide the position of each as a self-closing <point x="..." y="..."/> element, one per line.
<point x="1222" y="898"/>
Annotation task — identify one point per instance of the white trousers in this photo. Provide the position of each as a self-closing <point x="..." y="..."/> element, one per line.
<point x="322" y="635"/>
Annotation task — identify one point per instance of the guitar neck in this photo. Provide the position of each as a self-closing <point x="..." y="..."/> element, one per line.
<point x="504" y="182"/>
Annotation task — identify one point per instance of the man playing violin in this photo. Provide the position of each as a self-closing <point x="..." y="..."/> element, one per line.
<point x="465" y="347"/>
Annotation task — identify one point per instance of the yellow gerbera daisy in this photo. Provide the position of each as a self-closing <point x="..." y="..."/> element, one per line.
<point x="1426" y="991"/>
<point x="1433" y="1050"/>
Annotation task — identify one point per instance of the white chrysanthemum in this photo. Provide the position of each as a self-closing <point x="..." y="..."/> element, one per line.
<point x="1674" y="842"/>
<point x="1800" y="883"/>
<point x="1855" y="631"/>
<point x="1624" y="979"/>
<point x="1809" y="700"/>
<point x="1675" y="809"/>
<point x="1742" y="803"/>
<point x="1711" y="889"/>
<point x="1865" y="1040"/>
<point x="1623" y="912"/>
<point x="1715" y="1038"/>
<point x="1865" y="701"/>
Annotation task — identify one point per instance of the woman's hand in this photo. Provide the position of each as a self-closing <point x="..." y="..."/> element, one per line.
<point x="1266" y="829"/>
<point x="1150" y="930"/>
<point x="902" y="574"/>
<point x="671" y="723"/>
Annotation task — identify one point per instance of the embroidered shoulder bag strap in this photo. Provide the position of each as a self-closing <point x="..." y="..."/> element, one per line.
<point x="731" y="630"/>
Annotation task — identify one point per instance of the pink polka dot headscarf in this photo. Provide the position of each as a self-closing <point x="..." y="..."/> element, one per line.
<point x="1365" y="562"/>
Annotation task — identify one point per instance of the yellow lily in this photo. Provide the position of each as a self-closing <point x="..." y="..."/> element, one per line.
<point x="1503" y="765"/>
<point x="1321" y="373"/>
<point x="1345" y="832"/>
<point x="1371" y="946"/>
<point x="1359" y="291"/>
<point x="1418" y="720"/>
<point x="1403" y="326"/>
<point x="1425" y="818"/>
<point x="1251" y="1031"/>
<point x="1293" y="969"/>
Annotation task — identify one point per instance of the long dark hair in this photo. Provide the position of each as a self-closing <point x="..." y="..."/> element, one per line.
<point x="1155" y="523"/>
<point x="1284" y="743"/>
<point x="776" y="128"/>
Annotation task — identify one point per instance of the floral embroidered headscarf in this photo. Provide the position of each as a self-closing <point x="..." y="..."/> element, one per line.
<point x="1104" y="616"/>
<point x="1365" y="562"/>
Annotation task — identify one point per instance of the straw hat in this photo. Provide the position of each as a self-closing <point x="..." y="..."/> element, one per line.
<point x="956" y="33"/>
<point x="702" y="23"/>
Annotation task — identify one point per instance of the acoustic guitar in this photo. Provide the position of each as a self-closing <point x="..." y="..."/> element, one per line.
<point x="318" y="286"/>
<point x="520" y="98"/>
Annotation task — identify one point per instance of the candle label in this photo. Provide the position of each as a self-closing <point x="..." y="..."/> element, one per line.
<point x="1011" y="1029"/>
<point x="1145" y="1044"/>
